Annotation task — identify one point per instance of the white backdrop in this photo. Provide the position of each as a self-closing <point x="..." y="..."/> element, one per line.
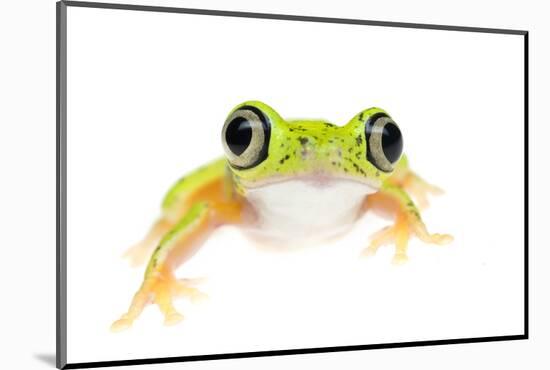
<point x="147" y="96"/>
<point x="28" y="204"/>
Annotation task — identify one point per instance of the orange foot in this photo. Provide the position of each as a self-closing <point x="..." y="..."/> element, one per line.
<point x="159" y="288"/>
<point x="400" y="233"/>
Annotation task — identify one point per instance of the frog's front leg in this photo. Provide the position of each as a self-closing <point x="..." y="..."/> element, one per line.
<point x="159" y="284"/>
<point x="138" y="253"/>
<point x="408" y="222"/>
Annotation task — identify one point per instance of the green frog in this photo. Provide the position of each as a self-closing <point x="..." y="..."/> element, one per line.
<point x="284" y="182"/>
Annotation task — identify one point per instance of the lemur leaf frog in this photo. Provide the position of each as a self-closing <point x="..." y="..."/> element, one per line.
<point x="284" y="180"/>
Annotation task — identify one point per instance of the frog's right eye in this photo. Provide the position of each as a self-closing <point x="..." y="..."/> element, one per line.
<point x="245" y="137"/>
<point x="384" y="141"/>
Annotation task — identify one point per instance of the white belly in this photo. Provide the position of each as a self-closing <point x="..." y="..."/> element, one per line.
<point x="301" y="211"/>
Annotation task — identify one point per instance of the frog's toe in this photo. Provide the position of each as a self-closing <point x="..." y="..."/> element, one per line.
<point x="383" y="236"/>
<point x="399" y="259"/>
<point x="435" y="238"/>
<point x="441" y="239"/>
<point x="121" y="325"/>
<point x="172" y="318"/>
<point x="420" y="190"/>
<point x="140" y="300"/>
<point x="164" y="299"/>
<point x="183" y="287"/>
<point x="159" y="289"/>
<point x="399" y="234"/>
<point x="368" y="252"/>
<point x="199" y="297"/>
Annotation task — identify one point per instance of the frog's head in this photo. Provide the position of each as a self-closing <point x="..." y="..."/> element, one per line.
<point x="262" y="148"/>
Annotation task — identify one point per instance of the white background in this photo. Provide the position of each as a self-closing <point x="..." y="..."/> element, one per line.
<point x="146" y="102"/>
<point x="28" y="155"/>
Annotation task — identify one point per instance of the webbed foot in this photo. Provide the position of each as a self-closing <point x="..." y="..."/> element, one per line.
<point x="405" y="226"/>
<point x="159" y="288"/>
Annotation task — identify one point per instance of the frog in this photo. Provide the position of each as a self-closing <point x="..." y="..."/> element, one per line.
<point x="283" y="181"/>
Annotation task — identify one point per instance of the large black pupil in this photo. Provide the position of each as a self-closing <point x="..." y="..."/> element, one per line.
<point x="238" y="135"/>
<point x="392" y="142"/>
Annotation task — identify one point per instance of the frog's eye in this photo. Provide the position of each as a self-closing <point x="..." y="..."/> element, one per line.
<point x="384" y="141"/>
<point x="245" y="137"/>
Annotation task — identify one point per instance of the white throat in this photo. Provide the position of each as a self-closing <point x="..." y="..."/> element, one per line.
<point x="299" y="210"/>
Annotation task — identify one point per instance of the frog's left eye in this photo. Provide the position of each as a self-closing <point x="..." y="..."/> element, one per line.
<point x="384" y="141"/>
<point x="245" y="137"/>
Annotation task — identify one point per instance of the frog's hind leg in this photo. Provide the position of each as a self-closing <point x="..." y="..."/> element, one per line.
<point x="413" y="184"/>
<point x="407" y="223"/>
<point x="420" y="188"/>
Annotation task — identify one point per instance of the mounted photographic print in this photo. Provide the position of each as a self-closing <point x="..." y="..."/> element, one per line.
<point x="242" y="184"/>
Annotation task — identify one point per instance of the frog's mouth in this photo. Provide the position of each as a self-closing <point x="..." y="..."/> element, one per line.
<point x="317" y="180"/>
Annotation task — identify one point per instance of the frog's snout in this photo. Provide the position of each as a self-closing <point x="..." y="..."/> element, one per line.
<point x="313" y="149"/>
